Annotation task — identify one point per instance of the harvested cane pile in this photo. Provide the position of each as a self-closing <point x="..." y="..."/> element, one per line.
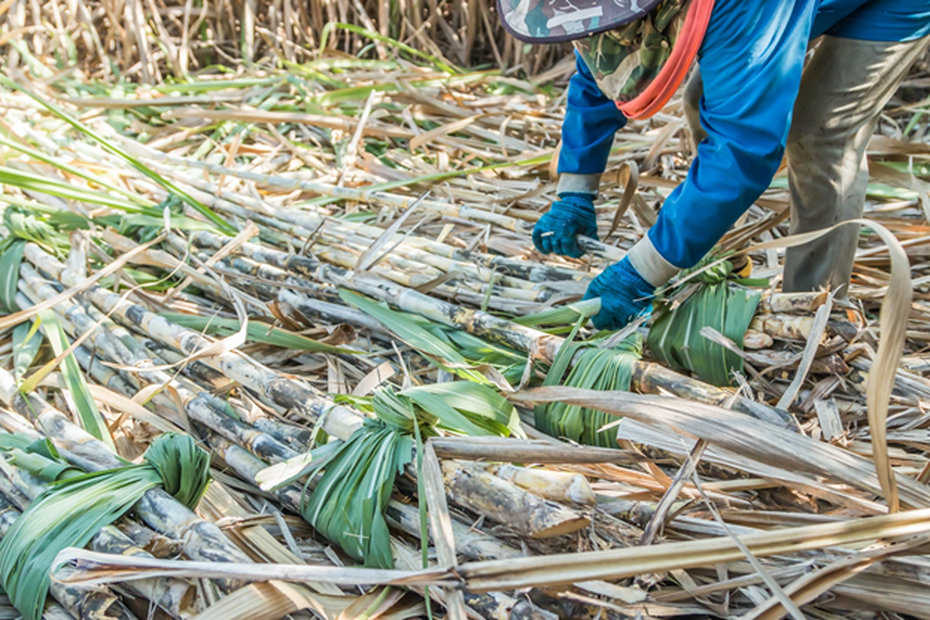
<point x="317" y="289"/>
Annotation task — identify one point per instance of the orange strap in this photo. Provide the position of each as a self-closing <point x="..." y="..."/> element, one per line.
<point x="661" y="89"/>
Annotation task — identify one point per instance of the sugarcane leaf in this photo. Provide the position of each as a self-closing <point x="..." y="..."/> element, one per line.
<point x="562" y="315"/>
<point x="85" y="407"/>
<point x="295" y="468"/>
<point x="43" y="467"/>
<point x="220" y="222"/>
<point x="675" y="337"/>
<point x="347" y="506"/>
<point x="27" y="340"/>
<point x="74" y="171"/>
<point x="597" y="369"/>
<point x="479" y="404"/>
<point x="449" y="417"/>
<point x="10" y="261"/>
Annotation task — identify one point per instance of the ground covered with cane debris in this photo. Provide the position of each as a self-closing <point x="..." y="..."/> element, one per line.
<point x="295" y="317"/>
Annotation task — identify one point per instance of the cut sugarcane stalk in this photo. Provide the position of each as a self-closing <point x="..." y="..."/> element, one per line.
<point x="555" y="485"/>
<point x="538" y="518"/>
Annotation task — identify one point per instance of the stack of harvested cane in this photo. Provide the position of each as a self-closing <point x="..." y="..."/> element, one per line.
<point x="357" y="360"/>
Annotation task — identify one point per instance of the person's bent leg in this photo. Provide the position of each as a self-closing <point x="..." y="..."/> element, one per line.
<point x="843" y="91"/>
<point x="691" y="101"/>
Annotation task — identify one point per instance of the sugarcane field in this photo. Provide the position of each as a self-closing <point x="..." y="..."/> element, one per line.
<point x="529" y="310"/>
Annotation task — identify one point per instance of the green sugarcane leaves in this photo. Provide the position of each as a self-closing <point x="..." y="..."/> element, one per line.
<point x="348" y="504"/>
<point x="675" y="337"/>
<point x="594" y="369"/>
<point x="257" y="332"/>
<point x="71" y="512"/>
<point x="10" y="261"/>
<point x="39" y="458"/>
<point x="468" y="408"/>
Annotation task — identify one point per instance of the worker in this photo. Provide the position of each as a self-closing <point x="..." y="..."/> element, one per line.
<point x="748" y="103"/>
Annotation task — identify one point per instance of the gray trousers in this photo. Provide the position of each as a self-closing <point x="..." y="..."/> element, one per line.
<point x="844" y="88"/>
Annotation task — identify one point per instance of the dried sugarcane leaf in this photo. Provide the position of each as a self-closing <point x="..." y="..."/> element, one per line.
<point x="95" y="568"/>
<point x="737" y="433"/>
<point x="894" y="314"/>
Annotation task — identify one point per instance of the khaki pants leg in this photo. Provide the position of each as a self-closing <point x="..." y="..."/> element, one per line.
<point x="843" y="90"/>
<point x="694" y="90"/>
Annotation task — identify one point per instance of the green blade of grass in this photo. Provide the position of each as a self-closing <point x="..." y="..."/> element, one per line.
<point x="95" y="179"/>
<point x="436" y="349"/>
<point x="374" y="36"/>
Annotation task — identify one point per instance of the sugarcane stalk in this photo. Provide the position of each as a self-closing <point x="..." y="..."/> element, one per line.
<point x="173" y="595"/>
<point x="647" y="377"/>
<point x="526" y="513"/>
<point x="406" y="258"/>
<point x="555" y="485"/>
<point x="75" y="321"/>
<point x="474" y="321"/>
<point x="156" y="544"/>
<point x="783" y="326"/>
<point x="514" y="301"/>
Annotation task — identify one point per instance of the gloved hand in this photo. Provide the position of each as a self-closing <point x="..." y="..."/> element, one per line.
<point x="557" y="230"/>
<point x="625" y="295"/>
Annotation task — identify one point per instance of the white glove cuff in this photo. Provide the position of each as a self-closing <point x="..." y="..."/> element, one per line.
<point x="651" y="265"/>
<point x="579" y="183"/>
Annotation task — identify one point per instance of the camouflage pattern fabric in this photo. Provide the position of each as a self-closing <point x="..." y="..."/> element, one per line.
<point x="626" y="60"/>
<point x="555" y="21"/>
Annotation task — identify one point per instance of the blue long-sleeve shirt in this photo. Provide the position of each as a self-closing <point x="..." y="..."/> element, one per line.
<point x="751" y="62"/>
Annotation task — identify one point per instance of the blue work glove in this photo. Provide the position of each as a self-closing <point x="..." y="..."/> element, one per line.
<point x="557" y="230"/>
<point x="625" y="295"/>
